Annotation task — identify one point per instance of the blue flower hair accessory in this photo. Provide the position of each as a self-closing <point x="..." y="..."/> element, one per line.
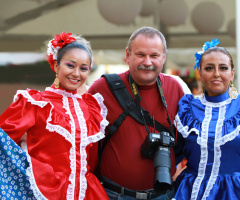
<point x="206" y="46"/>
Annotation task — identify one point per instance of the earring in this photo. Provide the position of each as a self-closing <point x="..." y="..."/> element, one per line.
<point x="232" y="91"/>
<point x="56" y="81"/>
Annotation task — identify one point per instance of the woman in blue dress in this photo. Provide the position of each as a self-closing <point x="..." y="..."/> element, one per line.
<point x="208" y="129"/>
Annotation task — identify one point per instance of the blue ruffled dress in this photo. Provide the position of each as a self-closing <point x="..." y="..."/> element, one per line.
<point x="14" y="182"/>
<point x="209" y="139"/>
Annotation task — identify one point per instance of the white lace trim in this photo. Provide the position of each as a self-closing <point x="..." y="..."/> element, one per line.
<point x="101" y="134"/>
<point x="68" y="136"/>
<point x="85" y="140"/>
<point x="104" y="112"/>
<point x="72" y="156"/>
<point x="100" y="100"/>
<point x="214" y="105"/>
<point x="29" y="171"/>
<point x="29" y="98"/>
<point x="217" y="152"/>
<point x="204" y="153"/>
<point x="184" y="129"/>
<point x="83" y="153"/>
<point x="60" y="130"/>
<point x="63" y="93"/>
<point x="202" y="141"/>
<point x="229" y="137"/>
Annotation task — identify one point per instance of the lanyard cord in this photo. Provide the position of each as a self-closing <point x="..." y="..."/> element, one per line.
<point x="165" y="105"/>
<point x="137" y="99"/>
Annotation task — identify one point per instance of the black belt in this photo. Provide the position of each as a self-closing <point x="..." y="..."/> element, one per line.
<point x="146" y="194"/>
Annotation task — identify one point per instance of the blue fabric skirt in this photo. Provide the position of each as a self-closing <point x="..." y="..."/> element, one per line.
<point x="226" y="187"/>
<point x="14" y="182"/>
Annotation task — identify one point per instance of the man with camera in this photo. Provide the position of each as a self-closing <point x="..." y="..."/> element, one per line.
<point x="136" y="158"/>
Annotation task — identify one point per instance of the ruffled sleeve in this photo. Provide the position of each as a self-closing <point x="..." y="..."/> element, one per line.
<point x="186" y="120"/>
<point x="20" y="115"/>
<point x="192" y="111"/>
<point x="96" y="123"/>
<point x="231" y="124"/>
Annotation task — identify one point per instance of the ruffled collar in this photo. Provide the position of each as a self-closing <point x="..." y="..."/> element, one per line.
<point x="217" y="99"/>
<point x="60" y="88"/>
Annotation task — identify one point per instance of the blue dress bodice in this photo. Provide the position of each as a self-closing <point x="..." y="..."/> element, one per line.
<point x="209" y="139"/>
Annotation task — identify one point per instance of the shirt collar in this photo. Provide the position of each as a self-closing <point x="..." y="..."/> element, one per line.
<point x="219" y="98"/>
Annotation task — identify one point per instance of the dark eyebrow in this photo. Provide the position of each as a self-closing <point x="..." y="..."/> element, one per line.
<point x="71" y="61"/>
<point x="84" y="64"/>
<point x="223" y="64"/>
<point x="210" y="64"/>
<point x="155" y="53"/>
<point x="137" y="52"/>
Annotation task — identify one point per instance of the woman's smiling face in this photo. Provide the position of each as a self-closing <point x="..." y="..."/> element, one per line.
<point x="216" y="73"/>
<point x="73" y="68"/>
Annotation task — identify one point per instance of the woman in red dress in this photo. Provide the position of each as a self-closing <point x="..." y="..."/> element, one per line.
<point x="62" y="129"/>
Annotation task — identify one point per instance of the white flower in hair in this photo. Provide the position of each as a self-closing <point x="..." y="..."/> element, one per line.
<point x="56" y="44"/>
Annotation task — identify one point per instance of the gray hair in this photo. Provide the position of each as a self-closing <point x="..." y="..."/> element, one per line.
<point x="148" y="32"/>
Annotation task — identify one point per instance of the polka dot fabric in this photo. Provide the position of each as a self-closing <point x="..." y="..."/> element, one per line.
<point x="14" y="184"/>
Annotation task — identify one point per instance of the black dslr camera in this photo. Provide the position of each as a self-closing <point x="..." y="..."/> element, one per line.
<point x="157" y="146"/>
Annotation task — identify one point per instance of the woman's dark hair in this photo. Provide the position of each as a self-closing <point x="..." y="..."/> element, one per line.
<point x="217" y="49"/>
<point x="68" y="47"/>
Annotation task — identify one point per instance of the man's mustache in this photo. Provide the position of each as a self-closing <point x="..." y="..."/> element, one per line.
<point x="149" y="68"/>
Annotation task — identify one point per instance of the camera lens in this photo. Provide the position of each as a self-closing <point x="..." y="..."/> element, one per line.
<point x="162" y="167"/>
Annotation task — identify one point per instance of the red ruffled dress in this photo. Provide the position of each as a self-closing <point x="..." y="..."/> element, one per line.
<point x="62" y="132"/>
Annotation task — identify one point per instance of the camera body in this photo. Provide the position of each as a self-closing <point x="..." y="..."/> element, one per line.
<point x="157" y="147"/>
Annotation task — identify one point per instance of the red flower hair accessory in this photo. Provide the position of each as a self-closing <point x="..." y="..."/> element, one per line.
<point x="54" y="45"/>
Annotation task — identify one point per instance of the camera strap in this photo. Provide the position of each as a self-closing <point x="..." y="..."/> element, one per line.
<point x="138" y="100"/>
<point x="129" y="107"/>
